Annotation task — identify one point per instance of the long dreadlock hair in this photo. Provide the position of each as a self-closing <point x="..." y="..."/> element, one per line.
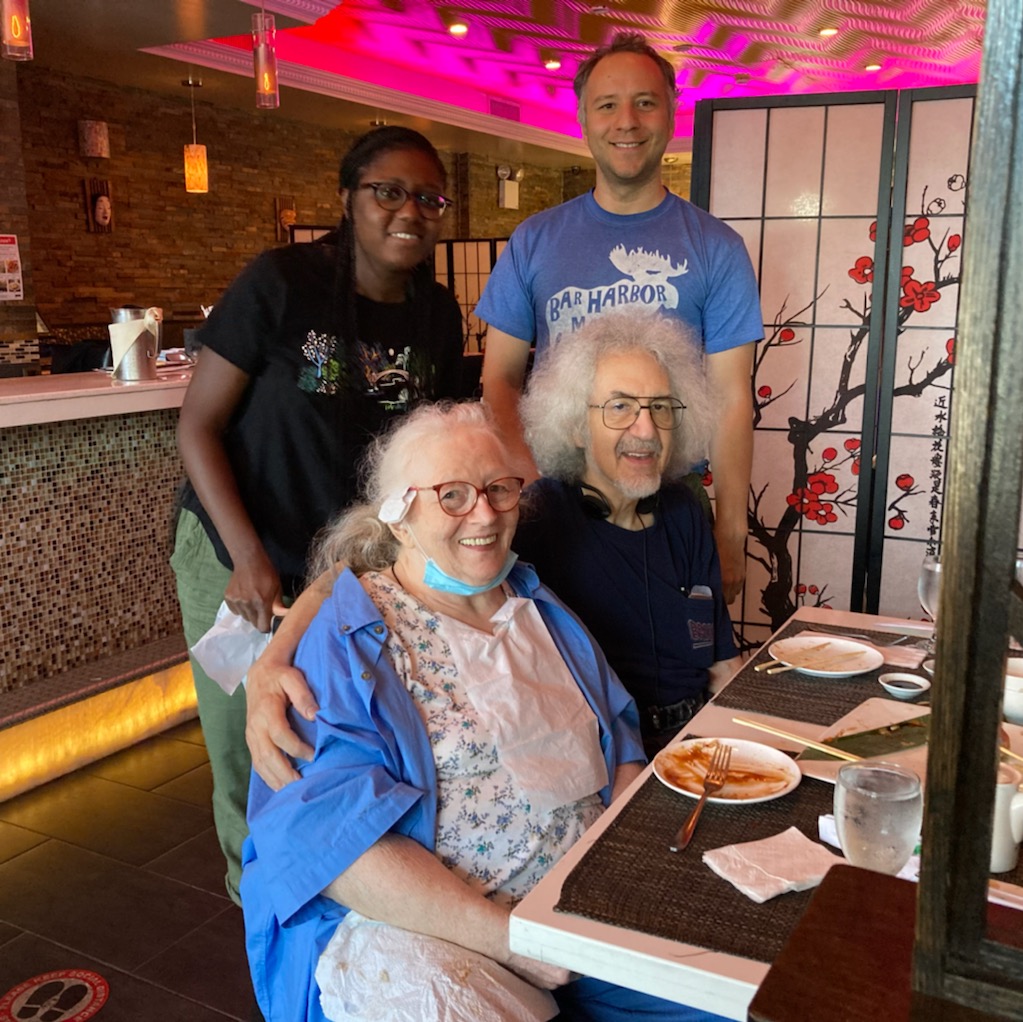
<point x="363" y="152"/>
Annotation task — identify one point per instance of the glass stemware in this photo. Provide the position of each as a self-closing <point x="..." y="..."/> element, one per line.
<point x="928" y="590"/>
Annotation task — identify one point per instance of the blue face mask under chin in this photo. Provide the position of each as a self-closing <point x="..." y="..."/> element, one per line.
<point x="436" y="578"/>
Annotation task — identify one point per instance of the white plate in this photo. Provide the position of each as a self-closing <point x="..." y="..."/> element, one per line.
<point x="847" y="658"/>
<point x="757" y="773"/>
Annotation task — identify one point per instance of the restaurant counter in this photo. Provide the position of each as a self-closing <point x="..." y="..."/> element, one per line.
<point x="58" y="398"/>
<point x="89" y="469"/>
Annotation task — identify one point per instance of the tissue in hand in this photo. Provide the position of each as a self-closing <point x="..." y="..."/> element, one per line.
<point x="229" y="649"/>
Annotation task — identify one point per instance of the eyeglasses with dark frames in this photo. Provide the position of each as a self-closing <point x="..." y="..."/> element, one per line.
<point x="622" y="411"/>
<point x="392" y="197"/>
<point x="457" y="497"/>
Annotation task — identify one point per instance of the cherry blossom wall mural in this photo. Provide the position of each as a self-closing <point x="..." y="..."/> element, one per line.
<point x="853" y="380"/>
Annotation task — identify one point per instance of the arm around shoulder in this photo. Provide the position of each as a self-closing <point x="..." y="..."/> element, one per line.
<point x="504" y="375"/>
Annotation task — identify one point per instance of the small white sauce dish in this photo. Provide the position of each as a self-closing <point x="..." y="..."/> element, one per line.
<point x="904" y="686"/>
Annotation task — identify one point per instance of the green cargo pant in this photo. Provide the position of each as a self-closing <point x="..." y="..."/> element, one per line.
<point x="201" y="581"/>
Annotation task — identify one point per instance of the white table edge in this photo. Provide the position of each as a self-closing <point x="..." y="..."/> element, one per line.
<point x="709" y="980"/>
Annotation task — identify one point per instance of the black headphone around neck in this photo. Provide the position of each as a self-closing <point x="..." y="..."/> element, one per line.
<point x="596" y="505"/>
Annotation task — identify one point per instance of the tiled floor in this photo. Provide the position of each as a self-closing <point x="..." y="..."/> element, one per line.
<point x="116" y="870"/>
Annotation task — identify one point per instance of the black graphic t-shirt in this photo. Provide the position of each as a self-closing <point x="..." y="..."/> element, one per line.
<point x="311" y="407"/>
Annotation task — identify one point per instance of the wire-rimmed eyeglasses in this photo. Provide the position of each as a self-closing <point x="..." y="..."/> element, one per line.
<point x="621" y="412"/>
<point x="392" y="197"/>
<point x="457" y="497"/>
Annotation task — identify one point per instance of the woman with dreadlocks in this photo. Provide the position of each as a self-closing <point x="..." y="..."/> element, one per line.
<point x="304" y="359"/>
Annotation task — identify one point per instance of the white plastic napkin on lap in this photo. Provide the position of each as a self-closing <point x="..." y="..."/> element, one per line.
<point x="229" y="649"/>
<point x="789" y="861"/>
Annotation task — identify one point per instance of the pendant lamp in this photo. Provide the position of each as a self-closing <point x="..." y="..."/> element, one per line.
<point x="16" y="31"/>
<point x="196" y="171"/>
<point x="264" y="61"/>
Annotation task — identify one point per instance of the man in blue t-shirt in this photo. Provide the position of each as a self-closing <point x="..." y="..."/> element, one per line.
<point x="632" y="244"/>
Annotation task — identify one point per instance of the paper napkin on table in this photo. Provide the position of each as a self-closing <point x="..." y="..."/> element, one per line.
<point x="788" y="861"/>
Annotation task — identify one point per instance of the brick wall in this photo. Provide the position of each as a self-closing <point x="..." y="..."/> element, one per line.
<point x="17" y="319"/>
<point x="169" y="248"/>
<point x="540" y="188"/>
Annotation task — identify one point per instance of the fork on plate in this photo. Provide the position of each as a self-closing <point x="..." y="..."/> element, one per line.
<point x="713" y="781"/>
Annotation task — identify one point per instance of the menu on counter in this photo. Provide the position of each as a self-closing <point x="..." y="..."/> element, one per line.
<point x="11" y="286"/>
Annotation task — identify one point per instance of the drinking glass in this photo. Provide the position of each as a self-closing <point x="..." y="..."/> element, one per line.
<point x="878" y="812"/>
<point x="928" y="590"/>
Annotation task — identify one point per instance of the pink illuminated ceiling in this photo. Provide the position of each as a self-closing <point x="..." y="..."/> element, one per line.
<point x="398" y="54"/>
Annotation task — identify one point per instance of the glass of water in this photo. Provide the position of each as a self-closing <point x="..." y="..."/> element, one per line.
<point x="928" y="590"/>
<point x="878" y="812"/>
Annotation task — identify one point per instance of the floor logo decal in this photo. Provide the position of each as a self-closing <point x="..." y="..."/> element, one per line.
<point x="68" y="995"/>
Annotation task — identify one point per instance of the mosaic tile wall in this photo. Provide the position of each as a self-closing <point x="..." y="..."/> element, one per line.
<point x="84" y="541"/>
<point x="19" y="352"/>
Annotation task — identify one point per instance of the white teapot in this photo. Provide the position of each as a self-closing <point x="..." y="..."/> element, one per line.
<point x="1007" y="831"/>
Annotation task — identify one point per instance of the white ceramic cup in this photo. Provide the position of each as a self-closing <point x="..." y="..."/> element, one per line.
<point x="1007" y="827"/>
<point x="1012" y="694"/>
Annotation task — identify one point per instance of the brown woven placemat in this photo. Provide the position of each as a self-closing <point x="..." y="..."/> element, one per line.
<point x="796" y="696"/>
<point x="630" y="879"/>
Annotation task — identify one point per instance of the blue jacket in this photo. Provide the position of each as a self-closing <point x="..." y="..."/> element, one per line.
<point x="372" y="773"/>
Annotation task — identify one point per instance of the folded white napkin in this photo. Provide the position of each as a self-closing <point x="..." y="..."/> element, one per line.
<point x="788" y="861"/>
<point x="895" y="656"/>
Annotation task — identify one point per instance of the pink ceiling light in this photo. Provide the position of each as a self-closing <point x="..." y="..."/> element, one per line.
<point x="721" y="48"/>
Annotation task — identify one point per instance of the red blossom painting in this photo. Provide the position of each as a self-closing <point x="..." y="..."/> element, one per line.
<point x="825" y="470"/>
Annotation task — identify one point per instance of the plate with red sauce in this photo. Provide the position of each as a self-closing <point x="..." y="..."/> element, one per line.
<point x="757" y="773"/>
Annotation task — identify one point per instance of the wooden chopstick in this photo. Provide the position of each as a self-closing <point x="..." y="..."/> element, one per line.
<point x="1008" y="752"/>
<point x="808" y="742"/>
<point x="824" y="663"/>
<point x="829" y="749"/>
<point x="775" y="662"/>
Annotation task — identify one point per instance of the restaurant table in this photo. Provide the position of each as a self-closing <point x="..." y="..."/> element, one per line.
<point x="858" y="927"/>
<point x="623" y="908"/>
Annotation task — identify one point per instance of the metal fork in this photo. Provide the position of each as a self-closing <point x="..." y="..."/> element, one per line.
<point x="713" y="781"/>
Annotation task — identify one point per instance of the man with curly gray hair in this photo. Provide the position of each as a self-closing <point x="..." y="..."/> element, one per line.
<point x="614" y="420"/>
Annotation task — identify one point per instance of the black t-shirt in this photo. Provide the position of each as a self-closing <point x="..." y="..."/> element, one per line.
<point x="634" y="590"/>
<point x="310" y="408"/>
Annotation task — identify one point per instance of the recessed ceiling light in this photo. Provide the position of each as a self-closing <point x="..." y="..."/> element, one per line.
<point x="669" y="159"/>
<point x="552" y="64"/>
<point x="458" y="27"/>
<point x="872" y="67"/>
<point x="828" y="32"/>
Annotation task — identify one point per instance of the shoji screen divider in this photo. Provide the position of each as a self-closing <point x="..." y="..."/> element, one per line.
<point x="852" y="209"/>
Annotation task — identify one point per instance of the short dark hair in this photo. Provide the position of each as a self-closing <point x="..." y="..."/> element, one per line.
<point x="624" y="42"/>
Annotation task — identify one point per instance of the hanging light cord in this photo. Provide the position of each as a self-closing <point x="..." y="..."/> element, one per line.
<point x="191" y="94"/>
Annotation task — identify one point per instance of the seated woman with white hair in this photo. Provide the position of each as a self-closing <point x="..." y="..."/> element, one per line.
<point x="469" y="732"/>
